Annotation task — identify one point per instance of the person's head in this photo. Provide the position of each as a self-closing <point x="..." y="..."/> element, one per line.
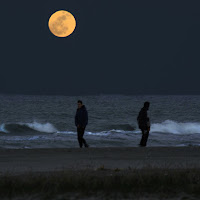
<point x="146" y="105"/>
<point x="80" y="103"/>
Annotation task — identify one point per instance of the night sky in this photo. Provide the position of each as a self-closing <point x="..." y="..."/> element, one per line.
<point x="118" y="47"/>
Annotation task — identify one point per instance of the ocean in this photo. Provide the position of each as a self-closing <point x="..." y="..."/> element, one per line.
<point x="28" y="121"/>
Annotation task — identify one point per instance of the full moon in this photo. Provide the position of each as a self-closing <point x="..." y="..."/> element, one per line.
<point x="62" y="23"/>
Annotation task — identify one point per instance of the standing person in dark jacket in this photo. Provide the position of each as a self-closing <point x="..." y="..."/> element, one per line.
<point x="144" y="123"/>
<point x="81" y="121"/>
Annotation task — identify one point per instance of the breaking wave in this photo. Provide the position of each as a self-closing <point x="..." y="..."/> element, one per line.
<point x="167" y="126"/>
<point x="124" y="127"/>
<point x="27" y="128"/>
<point x="170" y="126"/>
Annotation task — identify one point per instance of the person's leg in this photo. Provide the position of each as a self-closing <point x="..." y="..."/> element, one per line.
<point x="146" y="135"/>
<point x="83" y="140"/>
<point x="142" y="139"/>
<point x="79" y="133"/>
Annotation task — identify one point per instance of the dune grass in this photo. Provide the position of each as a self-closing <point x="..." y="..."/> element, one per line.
<point x="159" y="182"/>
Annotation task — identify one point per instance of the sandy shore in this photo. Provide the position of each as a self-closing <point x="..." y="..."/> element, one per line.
<point x="21" y="160"/>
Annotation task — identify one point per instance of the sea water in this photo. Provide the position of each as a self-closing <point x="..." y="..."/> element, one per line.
<point x="48" y="121"/>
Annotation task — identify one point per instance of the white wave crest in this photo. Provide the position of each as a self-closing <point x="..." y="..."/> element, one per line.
<point x="47" y="127"/>
<point x="170" y="126"/>
<point x="2" y="128"/>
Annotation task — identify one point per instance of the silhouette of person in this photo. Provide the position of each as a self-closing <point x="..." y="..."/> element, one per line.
<point x="81" y="121"/>
<point x="144" y="123"/>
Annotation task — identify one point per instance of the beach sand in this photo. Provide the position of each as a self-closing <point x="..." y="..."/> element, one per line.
<point x="21" y="160"/>
<point x="95" y="173"/>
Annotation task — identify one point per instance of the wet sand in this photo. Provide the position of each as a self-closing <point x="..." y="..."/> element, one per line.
<point x="41" y="160"/>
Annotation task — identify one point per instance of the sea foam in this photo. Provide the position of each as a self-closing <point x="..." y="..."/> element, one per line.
<point x="170" y="126"/>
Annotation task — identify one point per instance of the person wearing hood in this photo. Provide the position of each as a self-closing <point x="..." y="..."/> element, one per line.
<point x="144" y="123"/>
<point x="81" y="121"/>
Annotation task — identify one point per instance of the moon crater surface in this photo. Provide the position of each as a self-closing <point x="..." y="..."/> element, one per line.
<point x="62" y="23"/>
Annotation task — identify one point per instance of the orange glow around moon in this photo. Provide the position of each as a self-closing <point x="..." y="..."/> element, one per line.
<point x="62" y="23"/>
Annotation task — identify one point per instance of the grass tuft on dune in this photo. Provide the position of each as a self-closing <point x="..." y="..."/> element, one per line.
<point x="159" y="182"/>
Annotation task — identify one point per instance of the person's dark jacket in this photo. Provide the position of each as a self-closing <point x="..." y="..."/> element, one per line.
<point x="143" y="119"/>
<point x="81" y="117"/>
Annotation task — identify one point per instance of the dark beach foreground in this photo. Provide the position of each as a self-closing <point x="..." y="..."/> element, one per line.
<point x="101" y="173"/>
<point x="21" y="160"/>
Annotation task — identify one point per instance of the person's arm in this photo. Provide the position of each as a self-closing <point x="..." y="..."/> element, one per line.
<point x="146" y="119"/>
<point x="148" y="123"/>
<point x="85" y="118"/>
<point x="76" y="120"/>
<point x="139" y="116"/>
